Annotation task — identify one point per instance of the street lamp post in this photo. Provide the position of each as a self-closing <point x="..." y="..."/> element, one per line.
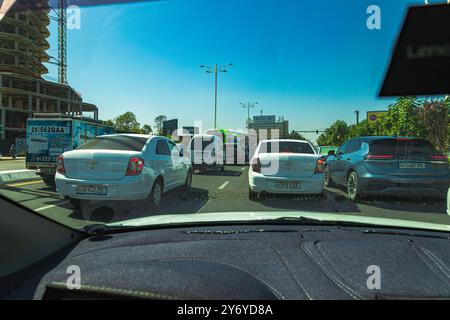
<point x="216" y="69"/>
<point x="248" y="105"/>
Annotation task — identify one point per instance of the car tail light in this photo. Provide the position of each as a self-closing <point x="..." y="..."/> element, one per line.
<point x="379" y="157"/>
<point x="256" y="165"/>
<point x="320" y="166"/>
<point x="439" y="158"/>
<point x="135" y="166"/>
<point x="60" y="165"/>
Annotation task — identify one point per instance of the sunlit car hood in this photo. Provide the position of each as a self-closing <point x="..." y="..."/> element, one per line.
<point x="247" y="216"/>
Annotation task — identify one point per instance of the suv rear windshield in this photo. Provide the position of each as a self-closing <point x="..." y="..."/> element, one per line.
<point x="403" y="147"/>
<point x="125" y="143"/>
<point x="286" y="147"/>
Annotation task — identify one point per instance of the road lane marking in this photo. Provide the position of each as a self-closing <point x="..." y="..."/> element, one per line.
<point x="224" y="185"/>
<point x="243" y="168"/>
<point x="21" y="184"/>
<point x="49" y="206"/>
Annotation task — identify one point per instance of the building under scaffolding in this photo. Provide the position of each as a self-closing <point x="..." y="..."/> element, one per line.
<point x="23" y="91"/>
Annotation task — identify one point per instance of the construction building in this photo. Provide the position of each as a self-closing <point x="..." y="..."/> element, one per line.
<point x="23" y="91"/>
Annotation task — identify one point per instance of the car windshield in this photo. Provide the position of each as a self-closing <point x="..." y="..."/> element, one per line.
<point x="107" y="113"/>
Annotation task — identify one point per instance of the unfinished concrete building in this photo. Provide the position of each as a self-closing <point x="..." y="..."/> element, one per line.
<point x="23" y="91"/>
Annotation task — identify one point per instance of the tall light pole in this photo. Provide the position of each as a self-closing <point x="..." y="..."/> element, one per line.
<point x="248" y="105"/>
<point x="216" y="69"/>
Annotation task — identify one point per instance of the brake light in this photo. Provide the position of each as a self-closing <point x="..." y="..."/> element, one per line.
<point x="60" y="165"/>
<point x="320" y="166"/>
<point x="256" y="165"/>
<point x="379" y="157"/>
<point x="135" y="166"/>
<point x="439" y="158"/>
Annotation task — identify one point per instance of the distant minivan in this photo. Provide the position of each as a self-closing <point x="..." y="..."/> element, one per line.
<point x="386" y="165"/>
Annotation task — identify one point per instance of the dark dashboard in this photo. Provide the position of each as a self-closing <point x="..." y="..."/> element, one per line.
<point x="257" y="262"/>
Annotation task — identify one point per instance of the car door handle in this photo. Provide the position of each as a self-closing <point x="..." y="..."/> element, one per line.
<point x="348" y="159"/>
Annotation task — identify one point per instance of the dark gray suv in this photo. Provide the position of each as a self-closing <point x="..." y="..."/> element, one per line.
<point x="401" y="166"/>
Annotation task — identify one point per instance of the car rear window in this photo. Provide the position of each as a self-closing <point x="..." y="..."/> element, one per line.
<point x="402" y="147"/>
<point x="125" y="143"/>
<point x="286" y="147"/>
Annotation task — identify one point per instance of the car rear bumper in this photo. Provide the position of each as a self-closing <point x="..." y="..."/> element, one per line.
<point x="127" y="188"/>
<point x="405" y="186"/>
<point x="307" y="185"/>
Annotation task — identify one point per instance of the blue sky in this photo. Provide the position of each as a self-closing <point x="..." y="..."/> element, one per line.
<point x="312" y="62"/>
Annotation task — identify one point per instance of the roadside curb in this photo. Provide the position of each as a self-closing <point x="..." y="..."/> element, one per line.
<point x="9" y="176"/>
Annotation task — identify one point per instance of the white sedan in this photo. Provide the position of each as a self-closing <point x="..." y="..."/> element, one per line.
<point x="285" y="166"/>
<point x="122" y="167"/>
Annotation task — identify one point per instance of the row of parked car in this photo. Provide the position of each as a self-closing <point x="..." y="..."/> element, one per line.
<point x="137" y="167"/>
<point x="382" y="165"/>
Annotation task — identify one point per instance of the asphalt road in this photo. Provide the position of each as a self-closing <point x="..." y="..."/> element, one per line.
<point x="227" y="192"/>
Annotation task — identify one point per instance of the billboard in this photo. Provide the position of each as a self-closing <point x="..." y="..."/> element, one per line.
<point x="374" y="116"/>
<point x="170" y="126"/>
<point x="264" y="119"/>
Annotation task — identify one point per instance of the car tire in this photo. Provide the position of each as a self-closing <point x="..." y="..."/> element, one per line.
<point x="354" y="191"/>
<point x="252" y="195"/>
<point x="328" y="181"/>
<point x="156" y="195"/>
<point x="49" y="181"/>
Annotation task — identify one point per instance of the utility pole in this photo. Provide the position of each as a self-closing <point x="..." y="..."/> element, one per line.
<point x="216" y="69"/>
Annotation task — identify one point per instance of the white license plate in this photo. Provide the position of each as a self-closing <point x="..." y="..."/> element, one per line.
<point x="287" y="185"/>
<point x="411" y="165"/>
<point x="95" y="190"/>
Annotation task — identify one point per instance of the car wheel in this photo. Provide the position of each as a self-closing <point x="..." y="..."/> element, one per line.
<point x="156" y="194"/>
<point x="188" y="182"/>
<point x="252" y="195"/>
<point x="49" y="181"/>
<point x="353" y="187"/>
<point x="328" y="181"/>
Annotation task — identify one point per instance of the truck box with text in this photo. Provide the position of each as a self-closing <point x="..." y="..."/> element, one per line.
<point x="50" y="135"/>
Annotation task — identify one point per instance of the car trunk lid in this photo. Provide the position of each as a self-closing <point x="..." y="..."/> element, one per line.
<point x="288" y="165"/>
<point x="98" y="164"/>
